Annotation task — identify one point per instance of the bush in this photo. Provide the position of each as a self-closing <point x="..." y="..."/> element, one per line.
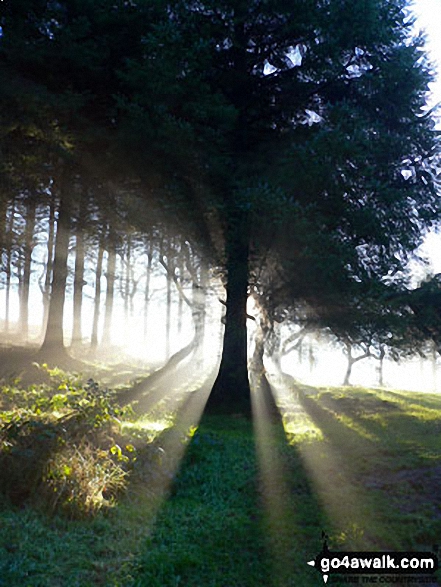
<point x="60" y="446"/>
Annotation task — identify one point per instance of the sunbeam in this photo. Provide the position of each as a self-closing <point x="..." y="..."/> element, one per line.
<point x="322" y="451"/>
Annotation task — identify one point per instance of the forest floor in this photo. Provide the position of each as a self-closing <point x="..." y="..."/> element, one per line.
<point x="210" y="501"/>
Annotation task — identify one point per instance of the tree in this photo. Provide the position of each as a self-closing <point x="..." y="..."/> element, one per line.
<point x="306" y="146"/>
<point x="53" y="342"/>
<point x="286" y="138"/>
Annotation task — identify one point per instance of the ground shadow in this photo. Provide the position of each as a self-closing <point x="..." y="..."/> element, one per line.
<point x="227" y="522"/>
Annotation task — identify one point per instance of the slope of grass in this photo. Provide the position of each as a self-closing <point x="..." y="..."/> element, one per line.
<point x="364" y="465"/>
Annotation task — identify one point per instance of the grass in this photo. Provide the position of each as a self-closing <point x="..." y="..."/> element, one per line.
<point x="362" y="464"/>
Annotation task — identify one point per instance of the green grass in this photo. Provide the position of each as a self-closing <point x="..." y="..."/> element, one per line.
<point x="362" y="464"/>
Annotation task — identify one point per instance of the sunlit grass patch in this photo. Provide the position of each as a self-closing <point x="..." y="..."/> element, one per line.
<point x="300" y="428"/>
<point x="147" y="428"/>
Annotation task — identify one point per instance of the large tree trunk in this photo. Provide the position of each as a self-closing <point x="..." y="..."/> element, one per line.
<point x="231" y="390"/>
<point x="53" y="343"/>
<point x="27" y="262"/>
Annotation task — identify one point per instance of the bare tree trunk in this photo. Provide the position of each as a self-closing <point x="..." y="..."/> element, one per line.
<point x="27" y="262"/>
<point x="199" y="313"/>
<point x="50" y="261"/>
<point x="348" y="373"/>
<point x="8" y="265"/>
<point x="97" y="299"/>
<point x="77" y="335"/>
<point x="168" y="278"/>
<point x="147" y="288"/>
<point x="125" y="287"/>
<point x="381" y="366"/>
<point x="180" y="301"/>
<point x="352" y="360"/>
<point x="110" y="293"/>
<point x="53" y="342"/>
<point x="259" y="380"/>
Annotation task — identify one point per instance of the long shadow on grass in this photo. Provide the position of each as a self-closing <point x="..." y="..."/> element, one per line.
<point x="232" y="519"/>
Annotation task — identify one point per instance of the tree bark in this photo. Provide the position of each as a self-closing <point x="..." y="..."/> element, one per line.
<point x="231" y="389"/>
<point x="53" y="343"/>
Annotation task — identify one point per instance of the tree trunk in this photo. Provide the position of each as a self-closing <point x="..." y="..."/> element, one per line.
<point x="147" y="289"/>
<point x="110" y="292"/>
<point x="262" y="392"/>
<point x="168" y="307"/>
<point x="77" y="335"/>
<point x="381" y="366"/>
<point x="127" y="288"/>
<point x="97" y="299"/>
<point x="8" y="268"/>
<point x="231" y="390"/>
<point x="199" y="313"/>
<point x="352" y="360"/>
<point x="49" y="263"/>
<point x="53" y="343"/>
<point x="180" y="301"/>
<point x="348" y="371"/>
<point x="27" y="263"/>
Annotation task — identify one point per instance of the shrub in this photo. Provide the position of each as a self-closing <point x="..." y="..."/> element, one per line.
<point x="60" y="446"/>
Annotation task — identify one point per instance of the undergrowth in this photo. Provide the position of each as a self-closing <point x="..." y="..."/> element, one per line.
<point x="61" y="445"/>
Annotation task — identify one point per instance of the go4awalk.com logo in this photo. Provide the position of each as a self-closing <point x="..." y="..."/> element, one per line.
<point x="380" y="564"/>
